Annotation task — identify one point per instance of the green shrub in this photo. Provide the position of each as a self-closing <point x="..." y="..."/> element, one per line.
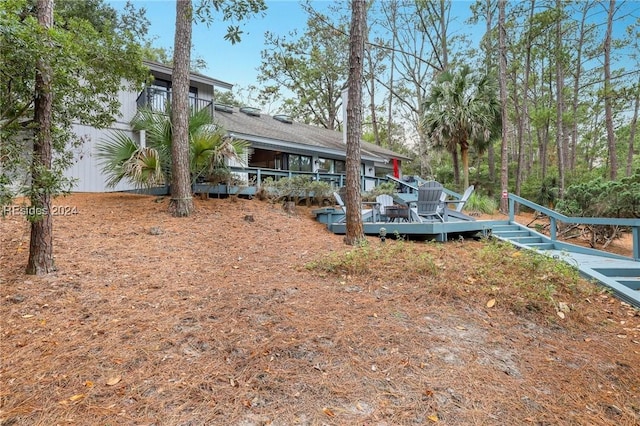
<point x="481" y="204"/>
<point x="295" y="189"/>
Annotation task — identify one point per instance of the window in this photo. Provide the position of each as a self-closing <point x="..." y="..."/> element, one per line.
<point x="330" y="166"/>
<point x="324" y="165"/>
<point x="299" y="163"/>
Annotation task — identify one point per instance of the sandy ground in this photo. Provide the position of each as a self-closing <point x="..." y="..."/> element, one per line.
<point x="245" y="315"/>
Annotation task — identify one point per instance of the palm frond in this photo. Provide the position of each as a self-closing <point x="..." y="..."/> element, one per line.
<point x="144" y="168"/>
<point x="113" y="153"/>
<point x="119" y="157"/>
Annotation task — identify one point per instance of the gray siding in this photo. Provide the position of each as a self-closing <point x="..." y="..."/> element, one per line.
<point x="86" y="169"/>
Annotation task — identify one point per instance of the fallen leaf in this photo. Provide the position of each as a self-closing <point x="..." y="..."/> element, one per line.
<point x="491" y="303"/>
<point x="28" y="316"/>
<point x="588" y="339"/>
<point x="560" y="314"/>
<point x="114" y="380"/>
<point x="88" y="384"/>
<point x="459" y="327"/>
<point x="328" y="412"/>
<point x="433" y="418"/>
<point x="246" y="403"/>
<point x="77" y="397"/>
<point x="563" y="307"/>
<point x="428" y="392"/>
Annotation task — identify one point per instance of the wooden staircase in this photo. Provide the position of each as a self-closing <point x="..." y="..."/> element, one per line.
<point x="619" y="273"/>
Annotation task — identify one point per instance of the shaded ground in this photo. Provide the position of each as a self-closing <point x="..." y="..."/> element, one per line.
<point x="244" y="315"/>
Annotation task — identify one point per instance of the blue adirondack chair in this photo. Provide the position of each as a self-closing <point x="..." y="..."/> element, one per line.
<point x="367" y="214"/>
<point x="429" y="204"/>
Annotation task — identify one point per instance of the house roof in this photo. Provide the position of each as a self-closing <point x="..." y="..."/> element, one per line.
<point x="280" y="132"/>
<point x="167" y="71"/>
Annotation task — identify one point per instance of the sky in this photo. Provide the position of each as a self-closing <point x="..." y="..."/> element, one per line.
<point x="236" y="64"/>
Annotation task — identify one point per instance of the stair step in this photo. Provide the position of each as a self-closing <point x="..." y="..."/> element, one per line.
<point x="511" y="234"/>
<point x="633" y="285"/>
<point x="502" y="228"/>
<point x="529" y="239"/>
<point x="619" y="272"/>
<point x="542" y="246"/>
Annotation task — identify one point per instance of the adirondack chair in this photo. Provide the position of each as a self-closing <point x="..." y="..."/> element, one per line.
<point x="462" y="201"/>
<point x="367" y="214"/>
<point x="429" y="202"/>
<point x="456" y="212"/>
<point x="384" y="200"/>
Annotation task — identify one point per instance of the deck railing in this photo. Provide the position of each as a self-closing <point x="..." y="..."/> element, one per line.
<point x="336" y="180"/>
<point x="554" y="217"/>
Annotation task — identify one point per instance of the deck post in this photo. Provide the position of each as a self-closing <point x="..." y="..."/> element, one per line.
<point x="258" y="178"/>
<point x="552" y="228"/>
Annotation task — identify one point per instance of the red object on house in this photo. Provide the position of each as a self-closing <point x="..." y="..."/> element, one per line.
<point x="396" y="169"/>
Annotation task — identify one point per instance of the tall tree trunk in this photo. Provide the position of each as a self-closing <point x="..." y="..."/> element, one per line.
<point x="355" y="229"/>
<point x="576" y="86"/>
<point x="542" y="129"/>
<point x="519" y="136"/>
<point x="181" y="199"/>
<point x="502" y="53"/>
<point x="608" y="112"/>
<point x="444" y="33"/>
<point x="394" y="10"/>
<point x="489" y="66"/>
<point x="524" y="113"/>
<point x="456" y="165"/>
<point x="41" y="242"/>
<point x="464" y="153"/>
<point x="632" y="131"/>
<point x="560" y="101"/>
<point x="372" y="97"/>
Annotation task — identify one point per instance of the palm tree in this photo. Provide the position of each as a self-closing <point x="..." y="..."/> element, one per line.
<point x="121" y="158"/>
<point x="462" y="109"/>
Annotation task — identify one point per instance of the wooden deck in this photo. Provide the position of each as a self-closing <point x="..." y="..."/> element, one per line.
<point x="438" y="231"/>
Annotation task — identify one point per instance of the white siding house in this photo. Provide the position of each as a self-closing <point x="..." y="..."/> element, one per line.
<point x="276" y="142"/>
<point x="85" y="169"/>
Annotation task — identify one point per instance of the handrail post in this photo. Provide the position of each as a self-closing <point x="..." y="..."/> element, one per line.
<point x="552" y="228"/>
<point x="259" y="178"/>
<point x="636" y="242"/>
<point x="512" y="210"/>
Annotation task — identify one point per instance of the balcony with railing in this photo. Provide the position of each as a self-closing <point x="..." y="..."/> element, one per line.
<point x="159" y="100"/>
